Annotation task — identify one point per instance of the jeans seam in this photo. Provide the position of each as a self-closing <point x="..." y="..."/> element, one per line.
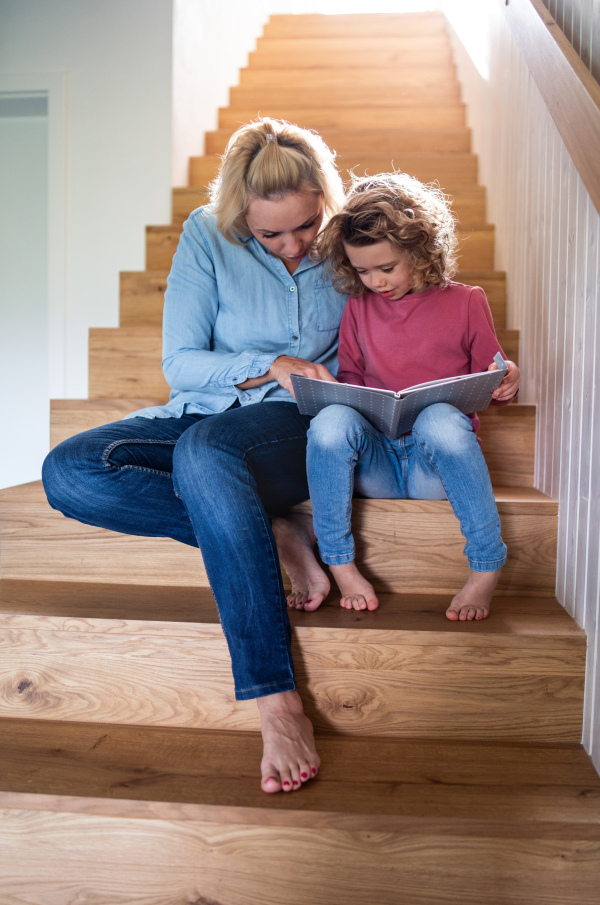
<point x="106" y="453"/>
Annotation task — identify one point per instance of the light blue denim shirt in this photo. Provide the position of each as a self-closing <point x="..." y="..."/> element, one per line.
<point x="230" y="311"/>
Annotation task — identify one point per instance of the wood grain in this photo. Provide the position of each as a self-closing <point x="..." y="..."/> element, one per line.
<point x="125" y="362"/>
<point x="141" y="296"/>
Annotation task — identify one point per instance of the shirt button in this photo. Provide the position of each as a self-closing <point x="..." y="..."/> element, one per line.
<point x="292" y="288"/>
<point x="294" y="336"/>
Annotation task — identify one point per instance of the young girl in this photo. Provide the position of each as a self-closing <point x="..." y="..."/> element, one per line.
<point x="392" y="248"/>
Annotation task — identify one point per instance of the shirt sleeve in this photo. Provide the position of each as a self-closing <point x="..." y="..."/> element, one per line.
<point x="190" y="313"/>
<point x="351" y="359"/>
<point x="483" y="341"/>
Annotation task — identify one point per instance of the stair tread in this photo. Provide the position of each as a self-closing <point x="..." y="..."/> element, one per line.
<point x="416" y="785"/>
<point x="515" y="621"/>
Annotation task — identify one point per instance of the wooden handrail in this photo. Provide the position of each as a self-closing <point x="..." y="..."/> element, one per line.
<point x="568" y="88"/>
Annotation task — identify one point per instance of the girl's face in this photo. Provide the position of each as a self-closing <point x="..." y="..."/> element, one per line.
<point x="286" y="226"/>
<point x="383" y="268"/>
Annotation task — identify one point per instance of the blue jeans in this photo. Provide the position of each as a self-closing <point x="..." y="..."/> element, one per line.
<point x="441" y="459"/>
<point x="209" y="481"/>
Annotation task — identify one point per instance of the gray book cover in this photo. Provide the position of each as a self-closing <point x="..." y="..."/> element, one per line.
<point x="395" y="413"/>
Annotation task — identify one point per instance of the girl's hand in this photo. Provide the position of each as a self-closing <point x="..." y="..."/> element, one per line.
<point x="509" y="385"/>
<point x="285" y="365"/>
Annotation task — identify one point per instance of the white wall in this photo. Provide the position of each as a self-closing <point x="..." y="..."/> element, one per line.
<point x="116" y="57"/>
<point x="548" y="234"/>
<point x="23" y="295"/>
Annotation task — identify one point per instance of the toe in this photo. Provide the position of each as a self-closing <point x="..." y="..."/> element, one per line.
<point x="270" y="782"/>
<point x="452" y="614"/>
<point x="372" y="603"/>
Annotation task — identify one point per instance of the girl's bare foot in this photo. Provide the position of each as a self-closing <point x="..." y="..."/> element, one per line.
<point x="357" y="593"/>
<point x="473" y="601"/>
<point x="295" y="541"/>
<point x="289" y="754"/>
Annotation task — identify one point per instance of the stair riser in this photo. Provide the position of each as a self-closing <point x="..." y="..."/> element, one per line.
<point x="453" y="170"/>
<point x="403" y="546"/>
<point x="362" y="141"/>
<point x="355" y="26"/>
<point x="229" y="859"/>
<point x="319" y="83"/>
<point x="348" y="117"/>
<point x="142" y="296"/>
<point x="277" y="56"/>
<point x="377" y="688"/>
<point x="476" y="248"/>
<point x="358" y="48"/>
<point x="278" y="94"/>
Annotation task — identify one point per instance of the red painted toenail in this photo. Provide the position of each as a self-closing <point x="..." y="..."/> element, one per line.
<point x="313" y="771"/>
<point x="304" y="775"/>
<point x="296" y="783"/>
<point x="286" y="783"/>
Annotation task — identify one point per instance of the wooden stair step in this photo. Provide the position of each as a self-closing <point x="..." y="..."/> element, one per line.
<point x="476" y="247"/>
<point x="410" y="546"/>
<point x="468" y="204"/>
<point x="410" y="91"/>
<point x="365" y="25"/>
<point x="447" y="140"/>
<point x="448" y="169"/>
<point x="122" y="813"/>
<point x="507" y="434"/>
<point x="320" y="83"/>
<point x="343" y="53"/>
<point x="126" y="361"/>
<point x="395" y="117"/>
<point x="145" y="656"/>
<point x="142" y="295"/>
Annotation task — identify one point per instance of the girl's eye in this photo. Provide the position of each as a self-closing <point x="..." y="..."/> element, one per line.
<point x="269" y="235"/>
<point x="387" y="269"/>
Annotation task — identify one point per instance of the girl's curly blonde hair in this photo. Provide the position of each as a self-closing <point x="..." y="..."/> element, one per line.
<point x="270" y="158"/>
<point x="415" y="218"/>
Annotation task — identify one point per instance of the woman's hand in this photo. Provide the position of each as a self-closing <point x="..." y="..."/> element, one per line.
<point x="509" y="385"/>
<point x="285" y="365"/>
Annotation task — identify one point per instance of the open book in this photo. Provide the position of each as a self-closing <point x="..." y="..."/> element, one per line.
<point x="395" y="413"/>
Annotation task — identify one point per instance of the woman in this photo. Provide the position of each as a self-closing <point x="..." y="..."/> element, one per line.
<point x="245" y="305"/>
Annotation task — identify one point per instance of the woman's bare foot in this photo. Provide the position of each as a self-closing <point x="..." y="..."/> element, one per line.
<point x="289" y="754"/>
<point x="295" y="541"/>
<point x="473" y="601"/>
<point x="357" y="593"/>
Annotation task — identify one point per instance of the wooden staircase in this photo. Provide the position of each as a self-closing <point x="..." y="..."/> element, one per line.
<point x="452" y="770"/>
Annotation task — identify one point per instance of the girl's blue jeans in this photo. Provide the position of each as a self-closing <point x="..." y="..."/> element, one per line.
<point x="441" y="459"/>
<point x="209" y="481"/>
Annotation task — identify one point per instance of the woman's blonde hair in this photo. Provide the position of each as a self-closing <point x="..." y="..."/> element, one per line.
<point x="270" y="158"/>
<point x="415" y="218"/>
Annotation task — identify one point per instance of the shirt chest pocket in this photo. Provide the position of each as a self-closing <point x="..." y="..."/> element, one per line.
<point x="329" y="307"/>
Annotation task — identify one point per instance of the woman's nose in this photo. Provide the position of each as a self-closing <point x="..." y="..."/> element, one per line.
<point x="294" y="245"/>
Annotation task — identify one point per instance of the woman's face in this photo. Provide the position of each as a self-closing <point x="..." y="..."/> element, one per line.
<point x="286" y="226"/>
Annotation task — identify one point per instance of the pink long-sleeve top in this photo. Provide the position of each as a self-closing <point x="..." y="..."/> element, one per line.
<point x="423" y="336"/>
